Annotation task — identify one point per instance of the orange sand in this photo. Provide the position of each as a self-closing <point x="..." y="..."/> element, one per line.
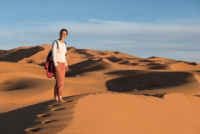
<point x="110" y="92"/>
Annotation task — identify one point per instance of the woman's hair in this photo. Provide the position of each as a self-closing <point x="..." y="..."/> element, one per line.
<point x="63" y="30"/>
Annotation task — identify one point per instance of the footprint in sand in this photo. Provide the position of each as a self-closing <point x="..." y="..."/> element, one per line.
<point x="43" y="115"/>
<point x="54" y="105"/>
<point x="68" y="101"/>
<point x="48" y="121"/>
<point x="33" y="129"/>
<point x="57" y="109"/>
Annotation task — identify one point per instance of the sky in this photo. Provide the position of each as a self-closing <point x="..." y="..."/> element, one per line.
<point x="143" y="28"/>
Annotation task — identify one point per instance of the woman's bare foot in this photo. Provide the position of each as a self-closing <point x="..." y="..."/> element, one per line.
<point x="60" y="99"/>
<point x="56" y="98"/>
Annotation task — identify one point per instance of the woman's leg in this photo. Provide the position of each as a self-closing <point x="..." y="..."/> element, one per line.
<point x="55" y="93"/>
<point x="59" y="76"/>
<point x="60" y="91"/>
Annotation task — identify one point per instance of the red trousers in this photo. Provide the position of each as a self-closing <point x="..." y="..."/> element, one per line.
<point x="59" y="77"/>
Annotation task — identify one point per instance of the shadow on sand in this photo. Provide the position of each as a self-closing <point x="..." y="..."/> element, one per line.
<point x="16" y="121"/>
<point x="143" y="81"/>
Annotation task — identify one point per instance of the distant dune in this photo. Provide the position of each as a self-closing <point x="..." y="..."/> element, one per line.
<point x="107" y="91"/>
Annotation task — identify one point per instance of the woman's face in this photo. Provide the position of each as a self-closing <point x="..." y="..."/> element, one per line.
<point x="63" y="35"/>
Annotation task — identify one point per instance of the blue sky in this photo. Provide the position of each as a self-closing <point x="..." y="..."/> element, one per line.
<point x="143" y="28"/>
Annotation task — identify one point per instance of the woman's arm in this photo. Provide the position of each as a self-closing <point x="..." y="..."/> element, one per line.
<point x="53" y="54"/>
<point x="65" y="62"/>
<point x="66" y="66"/>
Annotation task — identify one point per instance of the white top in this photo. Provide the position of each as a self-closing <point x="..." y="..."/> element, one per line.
<point x="58" y="54"/>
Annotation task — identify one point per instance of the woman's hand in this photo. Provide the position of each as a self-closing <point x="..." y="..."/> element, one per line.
<point x="66" y="68"/>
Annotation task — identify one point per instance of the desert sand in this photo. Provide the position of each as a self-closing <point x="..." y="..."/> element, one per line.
<point x="106" y="92"/>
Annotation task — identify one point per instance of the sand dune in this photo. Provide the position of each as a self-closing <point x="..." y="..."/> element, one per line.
<point x="89" y="65"/>
<point x="153" y="80"/>
<point x="183" y="66"/>
<point x="105" y="91"/>
<point x="18" y="54"/>
<point x="176" y="113"/>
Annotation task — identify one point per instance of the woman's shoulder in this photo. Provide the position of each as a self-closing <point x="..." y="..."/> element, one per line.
<point x="55" y="41"/>
<point x="58" y="42"/>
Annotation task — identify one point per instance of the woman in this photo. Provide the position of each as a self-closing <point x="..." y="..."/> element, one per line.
<point x="60" y="65"/>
